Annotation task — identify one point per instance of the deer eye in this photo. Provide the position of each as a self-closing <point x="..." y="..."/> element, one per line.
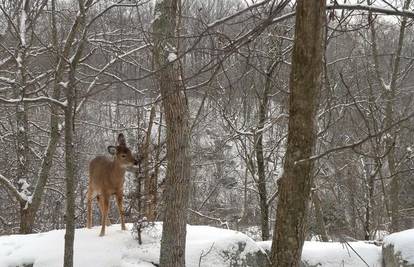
<point x="123" y="156"/>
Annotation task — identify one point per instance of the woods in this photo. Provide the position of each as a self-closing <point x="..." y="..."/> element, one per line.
<point x="285" y="120"/>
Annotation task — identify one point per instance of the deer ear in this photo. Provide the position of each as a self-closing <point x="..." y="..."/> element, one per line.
<point x="112" y="150"/>
<point x="121" y="140"/>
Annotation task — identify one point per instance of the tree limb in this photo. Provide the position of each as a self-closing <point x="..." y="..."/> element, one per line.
<point x="11" y="188"/>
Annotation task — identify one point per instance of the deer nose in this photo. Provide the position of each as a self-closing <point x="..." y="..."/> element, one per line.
<point x="135" y="162"/>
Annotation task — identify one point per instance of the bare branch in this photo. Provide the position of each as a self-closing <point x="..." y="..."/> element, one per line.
<point x="11" y="188"/>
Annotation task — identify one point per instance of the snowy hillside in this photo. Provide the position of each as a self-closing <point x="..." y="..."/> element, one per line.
<point x="206" y="246"/>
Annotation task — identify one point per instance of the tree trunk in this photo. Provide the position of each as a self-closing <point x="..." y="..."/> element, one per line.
<point x="296" y="182"/>
<point x="28" y="215"/>
<point x="69" y="173"/>
<point x="319" y="217"/>
<point x="22" y="125"/>
<point x="391" y="157"/>
<point x="69" y="139"/>
<point x="261" y="181"/>
<point x="150" y="197"/>
<point x="176" y="118"/>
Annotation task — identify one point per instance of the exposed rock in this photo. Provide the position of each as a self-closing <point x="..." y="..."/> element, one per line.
<point x="398" y="249"/>
<point x="239" y="258"/>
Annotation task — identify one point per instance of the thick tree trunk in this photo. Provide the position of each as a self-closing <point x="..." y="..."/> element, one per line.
<point x="176" y="117"/>
<point x="296" y="182"/>
<point x="26" y="219"/>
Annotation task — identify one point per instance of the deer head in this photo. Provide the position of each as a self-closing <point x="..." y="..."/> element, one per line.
<point x="122" y="153"/>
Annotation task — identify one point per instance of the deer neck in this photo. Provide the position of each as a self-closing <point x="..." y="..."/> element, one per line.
<point x="118" y="168"/>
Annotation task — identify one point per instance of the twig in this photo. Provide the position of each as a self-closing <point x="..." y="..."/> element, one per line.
<point x="202" y="255"/>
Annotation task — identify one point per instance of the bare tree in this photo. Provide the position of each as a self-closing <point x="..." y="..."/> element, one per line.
<point x="296" y="181"/>
<point x="166" y="48"/>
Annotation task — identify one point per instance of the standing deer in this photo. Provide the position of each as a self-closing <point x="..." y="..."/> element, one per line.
<point x="106" y="178"/>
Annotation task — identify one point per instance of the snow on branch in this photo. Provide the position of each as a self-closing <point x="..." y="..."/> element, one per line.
<point x="238" y="13"/>
<point x="4" y="222"/>
<point x="7" y="80"/>
<point x="40" y="99"/>
<point x="386" y="11"/>
<point x="6" y="60"/>
<point x="11" y="188"/>
<point x="210" y="218"/>
<point x="25" y="193"/>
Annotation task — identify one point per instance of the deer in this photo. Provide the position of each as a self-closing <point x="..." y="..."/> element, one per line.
<point x="106" y="178"/>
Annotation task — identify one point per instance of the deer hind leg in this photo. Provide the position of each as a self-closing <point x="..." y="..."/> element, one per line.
<point x="104" y="203"/>
<point x="89" y="208"/>
<point x="119" y="197"/>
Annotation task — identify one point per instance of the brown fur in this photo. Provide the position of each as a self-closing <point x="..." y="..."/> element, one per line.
<point x="106" y="178"/>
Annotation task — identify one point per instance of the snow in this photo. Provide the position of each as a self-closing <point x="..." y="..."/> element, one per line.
<point x="171" y="57"/>
<point x="25" y="193"/>
<point x="19" y="61"/>
<point x="334" y="254"/>
<point x="157" y="15"/>
<point x="23" y="27"/>
<point x="119" y="248"/>
<point x="6" y="80"/>
<point x="205" y="245"/>
<point x="64" y="84"/>
<point x="23" y="184"/>
<point x="403" y="242"/>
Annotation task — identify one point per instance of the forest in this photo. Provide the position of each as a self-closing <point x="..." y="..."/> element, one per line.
<point x="287" y="121"/>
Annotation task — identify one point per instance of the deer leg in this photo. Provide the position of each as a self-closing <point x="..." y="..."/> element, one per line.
<point x="119" y="197"/>
<point x="89" y="208"/>
<point x="108" y="221"/>
<point x="104" y="200"/>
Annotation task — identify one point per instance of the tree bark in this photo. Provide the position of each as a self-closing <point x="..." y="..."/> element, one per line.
<point x="261" y="181"/>
<point x="176" y="118"/>
<point x="22" y="125"/>
<point x="69" y="138"/>
<point x="296" y="182"/>
<point x="391" y="157"/>
<point x="28" y="215"/>
<point x="69" y="174"/>
<point x="319" y="217"/>
<point x="149" y="183"/>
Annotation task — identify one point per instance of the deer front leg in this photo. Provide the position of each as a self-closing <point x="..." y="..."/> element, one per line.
<point x="104" y="200"/>
<point x="108" y="220"/>
<point x="119" y="197"/>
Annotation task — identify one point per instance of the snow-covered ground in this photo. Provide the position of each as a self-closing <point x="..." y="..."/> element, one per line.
<point x="205" y="246"/>
<point x="335" y="254"/>
<point x="118" y="248"/>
